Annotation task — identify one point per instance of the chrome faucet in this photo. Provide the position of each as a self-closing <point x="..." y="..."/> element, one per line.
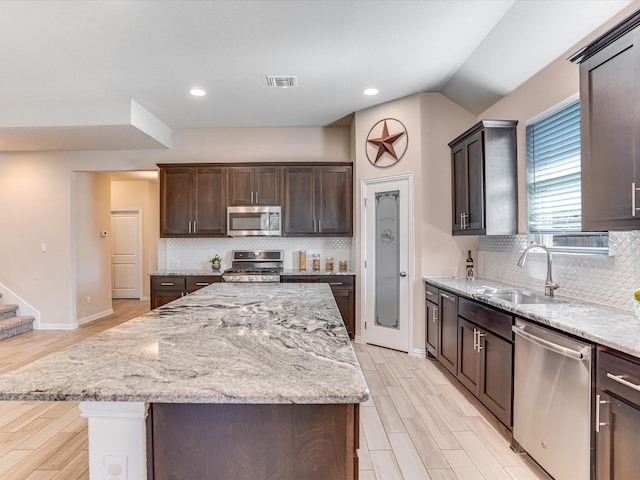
<point x="549" y="284"/>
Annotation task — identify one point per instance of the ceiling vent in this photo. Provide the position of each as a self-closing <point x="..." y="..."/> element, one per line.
<point x="282" y="81"/>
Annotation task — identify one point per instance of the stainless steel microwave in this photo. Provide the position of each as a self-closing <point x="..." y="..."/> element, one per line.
<point x="254" y="220"/>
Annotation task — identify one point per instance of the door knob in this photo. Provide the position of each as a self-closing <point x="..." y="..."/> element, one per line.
<point x="403" y="274"/>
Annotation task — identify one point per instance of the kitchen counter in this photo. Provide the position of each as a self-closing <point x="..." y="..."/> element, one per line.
<point x="315" y="272"/>
<point x="612" y="327"/>
<point x="225" y="343"/>
<point x="188" y="272"/>
<point x="231" y="381"/>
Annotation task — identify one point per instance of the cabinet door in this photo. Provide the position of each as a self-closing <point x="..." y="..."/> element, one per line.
<point x="165" y="289"/>
<point x="475" y="169"/>
<point x="468" y="355"/>
<point x="176" y="201"/>
<point x="609" y="122"/>
<point x="299" y="211"/>
<point x="194" y="283"/>
<point x="211" y="202"/>
<point x="618" y="439"/>
<point x="448" y="354"/>
<point x="240" y="185"/>
<point x="267" y="183"/>
<point x="431" y="324"/>
<point x="345" y="299"/>
<point x="334" y="200"/>
<point x="496" y="376"/>
<point x="460" y="194"/>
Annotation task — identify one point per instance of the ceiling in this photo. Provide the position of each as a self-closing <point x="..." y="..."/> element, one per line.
<point x="116" y="74"/>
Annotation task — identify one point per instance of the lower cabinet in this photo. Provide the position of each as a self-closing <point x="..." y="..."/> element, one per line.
<point x="475" y="343"/>
<point x="167" y="288"/>
<point x="432" y="323"/>
<point x="448" y="331"/>
<point x="343" y="289"/>
<point x="617" y="415"/>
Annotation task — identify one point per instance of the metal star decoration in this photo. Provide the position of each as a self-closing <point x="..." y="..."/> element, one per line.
<point x="385" y="143"/>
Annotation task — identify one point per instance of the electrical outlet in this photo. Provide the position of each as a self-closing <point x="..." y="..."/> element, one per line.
<point x="43" y="247"/>
<point x="115" y="467"/>
<point x="88" y="298"/>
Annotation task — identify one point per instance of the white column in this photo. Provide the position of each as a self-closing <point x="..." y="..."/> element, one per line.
<point x="117" y="440"/>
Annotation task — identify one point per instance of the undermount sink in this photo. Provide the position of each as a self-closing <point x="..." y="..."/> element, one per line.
<point x="519" y="297"/>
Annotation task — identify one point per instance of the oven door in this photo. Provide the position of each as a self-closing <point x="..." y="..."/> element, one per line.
<point x="253" y="221"/>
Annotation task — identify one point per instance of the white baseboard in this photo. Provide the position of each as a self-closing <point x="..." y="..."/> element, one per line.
<point x="419" y="353"/>
<point x="57" y="326"/>
<point x="95" y="316"/>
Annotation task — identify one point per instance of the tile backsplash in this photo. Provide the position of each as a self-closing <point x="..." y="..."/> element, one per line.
<point x="194" y="253"/>
<point x="607" y="280"/>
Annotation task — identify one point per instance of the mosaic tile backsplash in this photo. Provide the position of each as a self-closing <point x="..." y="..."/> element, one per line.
<point x="194" y="253"/>
<point x="607" y="280"/>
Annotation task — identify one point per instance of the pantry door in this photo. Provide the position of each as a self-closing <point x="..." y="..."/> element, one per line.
<point x="387" y="267"/>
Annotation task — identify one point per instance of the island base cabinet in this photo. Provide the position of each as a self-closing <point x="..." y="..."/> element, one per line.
<point x="270" y="442"/>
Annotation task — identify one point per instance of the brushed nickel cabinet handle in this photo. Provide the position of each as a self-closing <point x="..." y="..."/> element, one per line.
<point x="626" y="383"/>
<point x="202" y="284"/>
<point x="167" y="284"/>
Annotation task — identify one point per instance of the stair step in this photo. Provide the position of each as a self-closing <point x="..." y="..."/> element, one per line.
<point x="15" y="325"/>
<point x="8" y="310"/>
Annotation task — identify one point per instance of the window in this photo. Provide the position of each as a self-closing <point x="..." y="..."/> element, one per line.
<point x="553" y="181"/>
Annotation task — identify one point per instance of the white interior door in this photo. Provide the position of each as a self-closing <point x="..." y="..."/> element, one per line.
<point x="387" y="272"/>
<point x="126" y="271"/>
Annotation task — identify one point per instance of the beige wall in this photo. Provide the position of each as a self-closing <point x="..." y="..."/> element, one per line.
<point x="141" y="195"/>
<point x="92" y="252"/>
<point x="36" y="194"/>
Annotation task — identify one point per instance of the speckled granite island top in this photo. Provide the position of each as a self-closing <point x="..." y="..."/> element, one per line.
<point x="225" y="343"/>
<point x="612" y="327"/>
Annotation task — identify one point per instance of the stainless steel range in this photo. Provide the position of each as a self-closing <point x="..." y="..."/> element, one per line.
<point x="257" y="266"/>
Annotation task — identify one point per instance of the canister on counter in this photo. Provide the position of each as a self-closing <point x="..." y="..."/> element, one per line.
<point x="328" y="264"/>
<point x="302" y="260"/>
<point x="316" y="261"/>
<point x="343" y="266"/>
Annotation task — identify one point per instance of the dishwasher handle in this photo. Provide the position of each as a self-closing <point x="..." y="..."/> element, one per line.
<point x="567" y="352"/>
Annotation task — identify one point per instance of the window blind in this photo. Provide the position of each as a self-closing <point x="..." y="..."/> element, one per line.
<point x="553" y="172"/>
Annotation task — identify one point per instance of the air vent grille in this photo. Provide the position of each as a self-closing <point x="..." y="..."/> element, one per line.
<point x="282" y="81"/>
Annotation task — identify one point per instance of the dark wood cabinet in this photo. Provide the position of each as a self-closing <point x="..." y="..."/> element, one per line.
<point x="610" y="140"/>
<point x="484" y="179"/>
<point x="254" y="185"/>
<point x="432" y="324"/>
<point x="167" y="288"/>
<point x="617" y="419"/>
<point x="344" y="293"/>
<point x="318" y="200"/>
<point x="193" y="201"/>
<point x="448" y="340"/>
<point x="485" y="356"/>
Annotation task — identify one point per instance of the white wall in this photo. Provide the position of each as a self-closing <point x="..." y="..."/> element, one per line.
<point x="92" y="253"/>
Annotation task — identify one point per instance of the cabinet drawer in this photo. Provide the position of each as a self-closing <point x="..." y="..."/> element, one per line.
<point x="298" y="279"/>
<point x="167" y="282"/>
<point x="337" y="281"/>
<point x="431" y="293"/>
<point x="493" y="320"/>
<point x="626" y="369"/>
<point x="195" y="283"/>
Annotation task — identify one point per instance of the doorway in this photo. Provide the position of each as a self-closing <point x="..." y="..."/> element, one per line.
<point x="126" y="251"/>
<point x="387" y="254"/>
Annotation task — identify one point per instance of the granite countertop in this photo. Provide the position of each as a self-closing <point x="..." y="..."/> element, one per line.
<point x="187" y="272"/>
<point x="612" y="327"/>
<point x="225" y="343"/>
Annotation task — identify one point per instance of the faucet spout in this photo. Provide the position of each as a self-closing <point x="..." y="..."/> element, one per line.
<point x="549" y="284"/>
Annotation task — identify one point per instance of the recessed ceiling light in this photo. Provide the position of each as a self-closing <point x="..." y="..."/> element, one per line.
<point x="197" y="92"/>
<point x="371" y="91"/>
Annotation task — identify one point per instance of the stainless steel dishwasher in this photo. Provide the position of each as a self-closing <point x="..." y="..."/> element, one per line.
<point x="552" y="400"/>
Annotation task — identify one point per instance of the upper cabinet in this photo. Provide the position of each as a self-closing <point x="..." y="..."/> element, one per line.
<point x="318" y="200"/>
<point x="193" y="201"/>
<point x="255" y="185"/>
<point x="610" y="140"/>
<point x="485" y="179"/>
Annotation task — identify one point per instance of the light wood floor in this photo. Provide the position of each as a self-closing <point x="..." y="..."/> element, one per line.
<point x="418" y="423"/>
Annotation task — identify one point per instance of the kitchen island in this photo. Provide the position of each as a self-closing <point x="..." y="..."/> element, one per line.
<point x="232" y="381"/>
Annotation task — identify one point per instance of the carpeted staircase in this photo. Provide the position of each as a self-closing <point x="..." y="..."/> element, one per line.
<point x="11" y="323"/>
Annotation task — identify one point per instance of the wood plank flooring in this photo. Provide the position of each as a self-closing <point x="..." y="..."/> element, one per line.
<point x="419" y="424"/>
